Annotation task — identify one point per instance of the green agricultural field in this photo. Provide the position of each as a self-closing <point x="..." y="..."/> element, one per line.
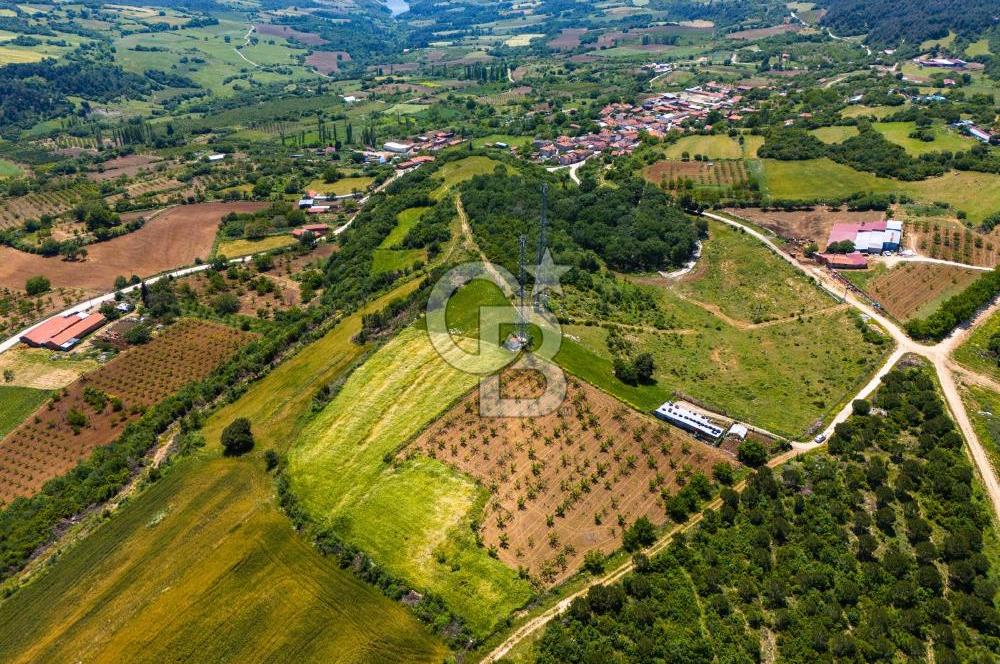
<point x="978" y="194"/>
<point x="237" y="248"/>
<point x="9" y="169"/>
<point x="975" y="353"/>
<point x="782" y="375"/>
<point x="341" y="187"/>
<point x="412" y="517"/>
<point x="203" y="55"/>
<point x="835" y="133"/>
<point x="818" y="178"/>
<point x="864" y="111"/>
<point x="405" y="221"/>
<point x="945" y="139"/>
<point x="396" y="260"/>
<point x="457" y="172"/>
<point x="204" y="566"/>
<point x="718" y="146"/>
<point x="16" y="404"/>
<point x="747" y="284"/>
<point x="12" y="55"/>
<point x="983" y="407"/>
<point x="509" y="139"/>
<point x="980" y="47"/>
<point x="751" y="144"/>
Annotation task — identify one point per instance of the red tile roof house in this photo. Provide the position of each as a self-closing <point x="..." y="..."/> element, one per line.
<point x="316" y="229"/>
<point x="63" y="332"/>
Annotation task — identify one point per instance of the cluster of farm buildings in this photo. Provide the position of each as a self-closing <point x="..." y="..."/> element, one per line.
<point x="865" y="238"/>
<point x="622" y="125"/>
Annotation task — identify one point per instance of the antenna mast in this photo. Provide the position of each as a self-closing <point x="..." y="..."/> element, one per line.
<point x="522" y="324"/>
<point x="539" y="295"/>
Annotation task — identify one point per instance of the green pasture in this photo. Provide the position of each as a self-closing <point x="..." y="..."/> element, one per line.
<point x="716" y="146"/>
<point x="237" y="248"/>
<point x="412" y="516"/>
<point x="341" y="187"/>
<point x="509" y="139"/>
<point x="9" y="169"/>
<point x="974" y="353"/>
<point x="395" y="260"/>
<point x="748" y="284"/>
<point x="782" y="374"/>
<point x="457" y="172"/>
<point x="858" y="110"/>
<point x="835" y="133"/>
<point x="405" y="221"/>
<point x="945" y="139"/>
<point x="16" y="404"/>
<point x="983" y="406"/>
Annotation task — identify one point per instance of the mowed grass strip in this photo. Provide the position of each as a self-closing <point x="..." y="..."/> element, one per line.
<point x="835" y="133"/>
<point x="203" y="566"/>
<point x="405" y="221"/>
<point x="16" y="404"/>
<point x="415" y="517"/>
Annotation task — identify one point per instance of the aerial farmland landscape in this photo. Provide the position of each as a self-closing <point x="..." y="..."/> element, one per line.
<point x="542" y="332"/>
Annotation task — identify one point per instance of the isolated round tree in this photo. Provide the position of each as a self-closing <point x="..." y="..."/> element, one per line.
<point x="237" y="438"/>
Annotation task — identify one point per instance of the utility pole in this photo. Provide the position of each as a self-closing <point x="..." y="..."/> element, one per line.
<point x="539" y="294"/>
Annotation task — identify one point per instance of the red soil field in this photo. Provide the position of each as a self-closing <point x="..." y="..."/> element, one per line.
<point x="586" y="470"/>
<point x="286" y="32"/>
<point x="327" y="62"/>
<point x="47" y="446"/>
<point x="172" y="239"/>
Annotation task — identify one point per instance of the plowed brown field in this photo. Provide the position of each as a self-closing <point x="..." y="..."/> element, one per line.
<point x="170" y="240"/>
<point x="586" y="470"/>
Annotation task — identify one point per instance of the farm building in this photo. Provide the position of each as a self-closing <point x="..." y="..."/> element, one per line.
<point x="869" y="237"/>
<point x="63" y="332"/>
<point x="306" y="203"/>
<point x="397" y="148"/>
<point x="852" y="261"/>
<point x="319" y="209"/>
<point x="316" y="229"/>
<point x="688" y="420"/>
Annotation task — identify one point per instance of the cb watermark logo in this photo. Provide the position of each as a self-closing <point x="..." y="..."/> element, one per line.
<point x="532" y="341"/>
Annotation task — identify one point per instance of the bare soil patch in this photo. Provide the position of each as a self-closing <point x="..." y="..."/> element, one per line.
<point x="812" y="224"/>
<point x="565" y="484"/>
<point x="128" y="165"/>
<point x="568" y="39"/>
<point x="286" y="32"/>
<point x="327" y="62"/>
<point x="53" y="442"/>
<point x="174" y="238"/>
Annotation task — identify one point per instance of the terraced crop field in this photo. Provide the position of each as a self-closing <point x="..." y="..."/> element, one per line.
<point x="95" y="409"/>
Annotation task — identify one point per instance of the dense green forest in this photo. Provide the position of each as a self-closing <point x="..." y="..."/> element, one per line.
<point x="891" y="22"/>
<point x="633" y="227"/>
<point x="875" y="550"/>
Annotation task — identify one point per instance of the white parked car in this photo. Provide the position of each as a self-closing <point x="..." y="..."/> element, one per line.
<point x="820" y="438"/>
